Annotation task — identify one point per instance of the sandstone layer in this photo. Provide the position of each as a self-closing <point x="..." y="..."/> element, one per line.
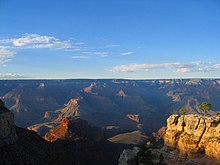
<point x="192" y="134"/>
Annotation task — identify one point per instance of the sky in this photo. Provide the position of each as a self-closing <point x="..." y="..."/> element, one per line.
<point x="135" y="39"/>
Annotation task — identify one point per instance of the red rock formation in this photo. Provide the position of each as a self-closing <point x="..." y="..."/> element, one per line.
<point x="140" y="126"/>
<point x="51" y="115"/>
<point x="72" y="129"/>
<point x="89" y="88"/>
<point x="121" y="93"/>
<point x="134" y="117"/>
<point x="65" y="123"/>
<point x="160" y="133"/>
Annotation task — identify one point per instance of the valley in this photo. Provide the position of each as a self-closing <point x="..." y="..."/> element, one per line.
<point x="108" y="118"/>
<point x="123" y="105"/>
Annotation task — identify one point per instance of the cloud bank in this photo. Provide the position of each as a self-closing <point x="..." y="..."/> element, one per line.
<point x="10" y="46"/>
<point x="11" y="76"/>
<point x="177" y="66"/>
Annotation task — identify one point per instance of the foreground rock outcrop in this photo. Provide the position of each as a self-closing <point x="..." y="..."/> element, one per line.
<point x="22" y="146"/>
<point x="192" y="134"/>
<point x="128" y="157"/>
<point x="7" y="127"/>
<point x="188" y="140"/>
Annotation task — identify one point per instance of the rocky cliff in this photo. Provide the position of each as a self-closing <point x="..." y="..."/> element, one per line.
<point x="188" y="140"/>
<point x="74" y="129"/>
<point x="22" y="146"/>
<point x="7" y="127"/>
<point x="192" y="134"/>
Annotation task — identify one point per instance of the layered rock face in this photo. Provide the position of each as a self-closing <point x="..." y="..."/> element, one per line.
<point x="21" y="146"/>
<point x="74" y="129"/>
<point x="7" y="127"/>
<point x="193" y="134"/>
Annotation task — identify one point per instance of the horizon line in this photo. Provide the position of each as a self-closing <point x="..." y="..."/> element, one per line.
<point x="188" y="78"/>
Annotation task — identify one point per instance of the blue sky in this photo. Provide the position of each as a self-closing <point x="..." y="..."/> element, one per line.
<point x="110" y="39"/>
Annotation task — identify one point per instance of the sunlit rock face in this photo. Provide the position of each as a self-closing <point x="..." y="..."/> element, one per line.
<point x="7" y="128"/>
<point x="192" y="134"/>
<point x="159" y="135"/>
<point x="121" y="93"/>
<point x="134" y="117"/>
<point x="89" y="88"/>
<point x="74" y="129"/>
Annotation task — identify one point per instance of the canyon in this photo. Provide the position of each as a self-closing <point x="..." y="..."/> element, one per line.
<point x="107" y="116"/>
<point x="83" y="146"/>
<point x="127" y="105"/>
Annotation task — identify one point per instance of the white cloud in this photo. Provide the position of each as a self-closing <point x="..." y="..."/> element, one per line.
<point x="179" y="67"/>
<point x="37" y="41"/>
<point x="11" y="76"/>
<point x="29" y="39"/>
<point x="80" y="49"/>
<point x="5" y="54"/>
<point x="111" y="46"/>
<point x="2" y="61"/>
<point x="217" y="66"/>
<point x="96" y="53"/>
<point x="126" y="53"/>
<point x="9" y="47"/>
<point x="79" y="57"/>
<point x="183" y="70"/>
